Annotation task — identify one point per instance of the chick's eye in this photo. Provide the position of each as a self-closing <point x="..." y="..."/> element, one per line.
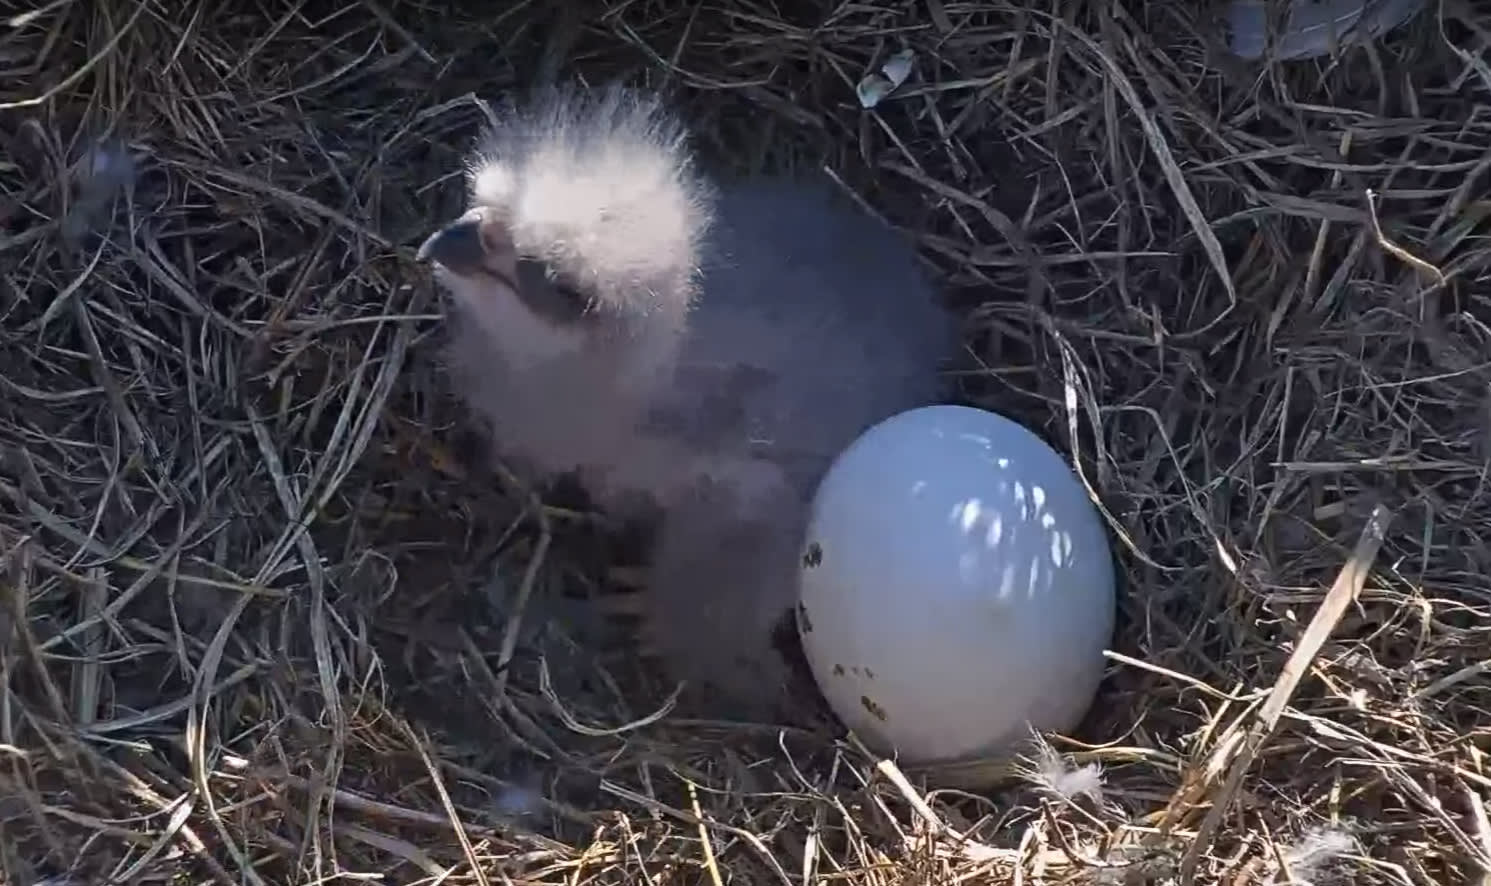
<point x="551" y="295"/>
<point x="566" y="289"/>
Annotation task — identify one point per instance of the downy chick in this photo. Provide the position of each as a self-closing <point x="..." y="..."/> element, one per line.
<point x="704" y="349"/>
<point x="572" y="277"/>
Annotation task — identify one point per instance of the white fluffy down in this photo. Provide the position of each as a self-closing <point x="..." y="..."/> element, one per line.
<point x="601" y="186"/>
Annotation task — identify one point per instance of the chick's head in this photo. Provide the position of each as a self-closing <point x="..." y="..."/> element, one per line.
<point x="584" y="230"/>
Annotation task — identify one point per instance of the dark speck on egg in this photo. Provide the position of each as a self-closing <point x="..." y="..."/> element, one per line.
<point x="813" y="556"/>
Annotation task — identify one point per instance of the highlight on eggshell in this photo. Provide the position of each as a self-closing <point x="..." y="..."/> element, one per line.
<point x="957" y="587"/>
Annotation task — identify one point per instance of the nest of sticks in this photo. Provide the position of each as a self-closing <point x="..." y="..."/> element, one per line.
<point x="266" y="620"/>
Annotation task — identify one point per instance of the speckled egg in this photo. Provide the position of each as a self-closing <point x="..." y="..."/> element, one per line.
<point x="957" y="586"/>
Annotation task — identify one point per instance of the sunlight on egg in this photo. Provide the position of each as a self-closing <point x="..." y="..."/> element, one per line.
<point x="956" y="585"/>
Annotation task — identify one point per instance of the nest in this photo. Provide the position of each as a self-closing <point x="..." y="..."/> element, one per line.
<point x="268" y="621"/>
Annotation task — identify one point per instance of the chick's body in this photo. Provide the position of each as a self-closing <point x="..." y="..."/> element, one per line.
<point x="718" y="396"/>
<point x="814" y="323"/>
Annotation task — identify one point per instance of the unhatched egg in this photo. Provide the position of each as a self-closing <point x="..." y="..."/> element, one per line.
<point x="956" y="585"/>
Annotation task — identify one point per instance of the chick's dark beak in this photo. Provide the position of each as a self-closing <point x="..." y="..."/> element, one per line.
<point x="458" y="246"/>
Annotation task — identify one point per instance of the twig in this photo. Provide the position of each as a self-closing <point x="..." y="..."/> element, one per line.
<point x="1343" y="592"/>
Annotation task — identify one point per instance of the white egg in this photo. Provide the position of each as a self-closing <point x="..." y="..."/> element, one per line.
<point x="957" y="586"/>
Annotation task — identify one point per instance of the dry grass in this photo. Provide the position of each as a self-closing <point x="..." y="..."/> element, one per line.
<point x="248" y="634"/>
